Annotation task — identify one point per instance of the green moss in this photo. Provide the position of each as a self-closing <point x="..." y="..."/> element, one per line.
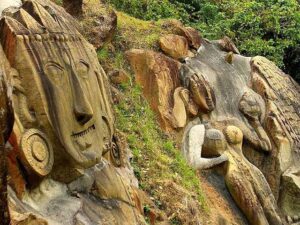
<point x="156" y="157"/>
<point x="59" y="2"/>
<point x="103" y="54"/>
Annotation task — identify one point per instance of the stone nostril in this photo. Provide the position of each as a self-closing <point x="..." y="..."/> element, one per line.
<point x="83" y="117"/>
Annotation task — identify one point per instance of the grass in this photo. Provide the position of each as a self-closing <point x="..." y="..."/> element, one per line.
<point x="156" y="157"/>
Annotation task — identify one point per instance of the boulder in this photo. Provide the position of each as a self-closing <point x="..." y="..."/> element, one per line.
<point x="158" y="76"/>
<point x="119" y="77"/>
<point x="191" y="34"/>
<point x="174" y="45"/>
<point x="227" y="45"/>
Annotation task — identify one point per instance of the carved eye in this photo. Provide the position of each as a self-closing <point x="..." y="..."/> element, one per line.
<point x="55" y="73"/>
<point x="83" y="69"/>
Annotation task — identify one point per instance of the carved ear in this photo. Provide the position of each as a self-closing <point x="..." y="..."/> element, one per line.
<point x="29" y="22"/>
<point x="27" y="118"/>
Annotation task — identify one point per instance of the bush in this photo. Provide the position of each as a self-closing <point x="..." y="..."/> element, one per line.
<point x="270" y="28"/>
<point x="151" y="9"/>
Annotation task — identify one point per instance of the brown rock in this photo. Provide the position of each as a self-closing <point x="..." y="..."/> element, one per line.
<point x="174" y="45"/>
<point x="192" y="35"/>
<point x="179" y="110"/>
<point x="190" y="105"/>
<point x="159" y="77"/>
<point x="119" y="77"/>
<point x="227" y="45"/>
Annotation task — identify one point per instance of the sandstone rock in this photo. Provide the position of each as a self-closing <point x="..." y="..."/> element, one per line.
<point x="190" y="105"/>
<point x="267" y="118"/>
<point x="179" y="110"/>
<point x="174" y="46"/>
<point x="227" y="45"/>
<point x="158" y="75"/>
<point x="290" y="197"/>
<point x="119" y="77"/>
<point x="192" y="35"/>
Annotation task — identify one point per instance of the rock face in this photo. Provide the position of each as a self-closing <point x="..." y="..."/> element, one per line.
<point x="192" y="35"/>
<point x="248" y="122"/>
<point x="65" y="151"/>
<point x="6" y="124"/>
<point x="174" y="45"/>
<point x="158" y="75"/>
<point x="255" y="96"/>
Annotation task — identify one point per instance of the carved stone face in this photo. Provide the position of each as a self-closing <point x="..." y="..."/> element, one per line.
<point x="61" y="88"/>
<point x="73" y="94"/>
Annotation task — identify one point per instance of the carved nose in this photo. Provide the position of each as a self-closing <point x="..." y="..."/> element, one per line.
<point x="82" y="108"/>
<point x="83" y="113"/>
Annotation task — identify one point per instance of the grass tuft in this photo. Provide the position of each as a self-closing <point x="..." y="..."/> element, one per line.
<point x="156" y="157"/>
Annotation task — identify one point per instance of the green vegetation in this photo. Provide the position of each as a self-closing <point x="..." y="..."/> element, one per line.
<point x="155" y="157"/>
<point x="259" y="27"/>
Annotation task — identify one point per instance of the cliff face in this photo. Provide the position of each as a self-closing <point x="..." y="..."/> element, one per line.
<point x="86" y="147"/>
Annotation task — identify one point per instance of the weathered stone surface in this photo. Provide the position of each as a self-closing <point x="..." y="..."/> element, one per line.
<point x="191" y="34"/>
<point x="174" y="46"/>
<point x="227" y="45"/>
<point x="255" y="96"/>
<point x="194" y="149"/>
<point x="290" y="198"/>
<point x="190" y="106"/>
<point x="179" y="110"/>
<point x="119" y="77"/>
<point x="158" y="75"/>
<point x="6" y="124"/>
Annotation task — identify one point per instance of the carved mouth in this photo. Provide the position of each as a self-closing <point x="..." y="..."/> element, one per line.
<point x="85" y="138"/>
<point x="84" y="132"/>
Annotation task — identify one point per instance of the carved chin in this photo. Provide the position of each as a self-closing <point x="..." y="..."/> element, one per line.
<point x="84" y="147"/>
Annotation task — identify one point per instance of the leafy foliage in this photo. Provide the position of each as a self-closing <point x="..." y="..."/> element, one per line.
<point x="269" y="28"/>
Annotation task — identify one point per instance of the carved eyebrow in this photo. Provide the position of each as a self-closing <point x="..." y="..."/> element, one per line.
<point x="55" y="64"/>
<point x="84" y="63"/>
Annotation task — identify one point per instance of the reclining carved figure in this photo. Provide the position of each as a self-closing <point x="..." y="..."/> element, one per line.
<point x="245" y="182"/>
